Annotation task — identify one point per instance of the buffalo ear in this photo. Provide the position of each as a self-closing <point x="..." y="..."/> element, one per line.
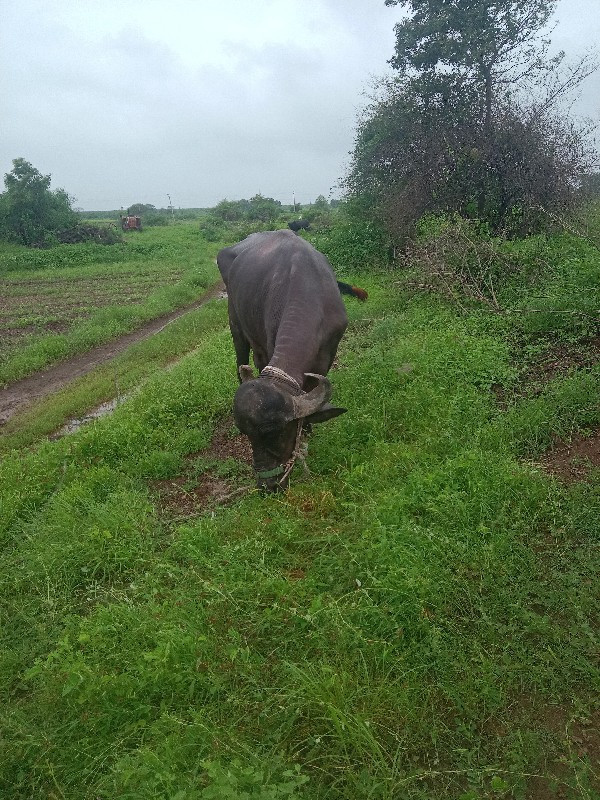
<point x="325" y="413"/>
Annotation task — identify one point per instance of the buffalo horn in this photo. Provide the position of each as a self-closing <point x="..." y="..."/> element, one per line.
<point x="246" y="373"/>
<point x="307" y="404"/>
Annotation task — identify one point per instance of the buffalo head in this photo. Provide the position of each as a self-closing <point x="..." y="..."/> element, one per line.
<point x="271" y="413"/>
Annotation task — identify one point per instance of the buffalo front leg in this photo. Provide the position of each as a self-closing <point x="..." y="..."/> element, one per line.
<point x="240" y="343"/>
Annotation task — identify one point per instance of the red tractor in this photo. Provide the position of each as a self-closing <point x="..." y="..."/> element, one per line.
<point x="131" y="223"/>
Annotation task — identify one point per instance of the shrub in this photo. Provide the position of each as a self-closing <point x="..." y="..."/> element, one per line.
<point x="30" y="213"/>
<point x="458" y="259"/>
<point x="155" y="219"/>
<point x="353" y="241"/>
<point x="436" y="155"/>
<point x="101" y="234"/>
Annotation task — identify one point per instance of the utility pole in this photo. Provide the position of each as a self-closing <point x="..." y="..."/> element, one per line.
<point x="172" y="209"/>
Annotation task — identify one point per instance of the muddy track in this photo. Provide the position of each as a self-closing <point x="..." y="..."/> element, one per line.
<point x="17" y="395"/>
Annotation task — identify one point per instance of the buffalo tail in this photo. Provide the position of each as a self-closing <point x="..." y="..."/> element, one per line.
<point x="355" y="291"/>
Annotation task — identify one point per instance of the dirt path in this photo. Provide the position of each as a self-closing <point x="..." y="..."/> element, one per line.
<point x="16" y="396"/>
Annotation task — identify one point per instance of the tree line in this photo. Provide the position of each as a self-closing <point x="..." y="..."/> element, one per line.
<point x="33" y="214"/>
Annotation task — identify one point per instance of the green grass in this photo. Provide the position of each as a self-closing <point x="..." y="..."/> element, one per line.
<point x="418" y="619"/>
<point x="162" y="270"/>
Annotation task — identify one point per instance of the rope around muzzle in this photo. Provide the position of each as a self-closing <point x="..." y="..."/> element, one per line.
<point x="300" y="449"/>
<point x="298" y="453"/>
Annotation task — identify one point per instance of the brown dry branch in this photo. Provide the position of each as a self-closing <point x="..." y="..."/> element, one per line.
<point x="551" y="311"/>
<point x="458" y="265"/>
<point x="562" y="222"/>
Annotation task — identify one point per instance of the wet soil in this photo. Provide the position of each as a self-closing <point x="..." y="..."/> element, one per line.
<point x="215" y="476"/>
<point x="574" y="460"/>
<point x="73" y="425"/>
<point x="18" y="395"/>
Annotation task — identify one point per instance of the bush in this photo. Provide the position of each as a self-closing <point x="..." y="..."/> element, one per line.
<point x="354" y="242"/>
<point x="101" y="234"/>
<point x="458" y="259"/>
<point x="213" y="229"/>
<point x="413" y="157"/>
<point x="155" y="219"/>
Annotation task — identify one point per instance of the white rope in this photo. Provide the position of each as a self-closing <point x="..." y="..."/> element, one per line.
<point x="299" y="451"/>
<point x="275" y="372"/>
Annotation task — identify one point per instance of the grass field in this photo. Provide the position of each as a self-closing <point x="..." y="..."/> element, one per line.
<point x="418" y="619"/>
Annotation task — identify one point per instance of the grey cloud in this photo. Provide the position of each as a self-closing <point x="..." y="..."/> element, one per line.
<point x="130" y="115"/>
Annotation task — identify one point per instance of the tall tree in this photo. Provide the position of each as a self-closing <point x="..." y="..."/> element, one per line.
<point x="456" y="130"/>
<point x="490" y="44"/>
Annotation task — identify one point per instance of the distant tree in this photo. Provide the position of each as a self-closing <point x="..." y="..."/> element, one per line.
<point x="263" y="209"/>
<point x="318" y="212"/>
<point x="231" y="210"/>
<point x="137" y="209"/>
<point x="29" y="210"/>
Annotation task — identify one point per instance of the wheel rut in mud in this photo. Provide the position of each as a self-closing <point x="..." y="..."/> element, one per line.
<point x="18" y="395"/>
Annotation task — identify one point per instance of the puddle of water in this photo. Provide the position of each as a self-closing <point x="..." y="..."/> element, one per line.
<point x="73" y="425"/>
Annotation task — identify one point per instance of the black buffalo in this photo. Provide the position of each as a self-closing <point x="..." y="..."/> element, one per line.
<point x="285" y="306"/>
<point x="298" y="225"/>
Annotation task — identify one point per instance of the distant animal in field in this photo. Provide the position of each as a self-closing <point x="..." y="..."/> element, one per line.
<point x="298" y="225"/>
<point x="285" y="306"/>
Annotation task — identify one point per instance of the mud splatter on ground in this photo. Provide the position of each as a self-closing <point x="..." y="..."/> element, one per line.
<point x="215" y="476"/>
<point x="73" y="425"/>
<point x="573" y="461"/>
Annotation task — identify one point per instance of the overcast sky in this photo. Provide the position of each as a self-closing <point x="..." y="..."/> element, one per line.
<point x="125" y="102"/>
